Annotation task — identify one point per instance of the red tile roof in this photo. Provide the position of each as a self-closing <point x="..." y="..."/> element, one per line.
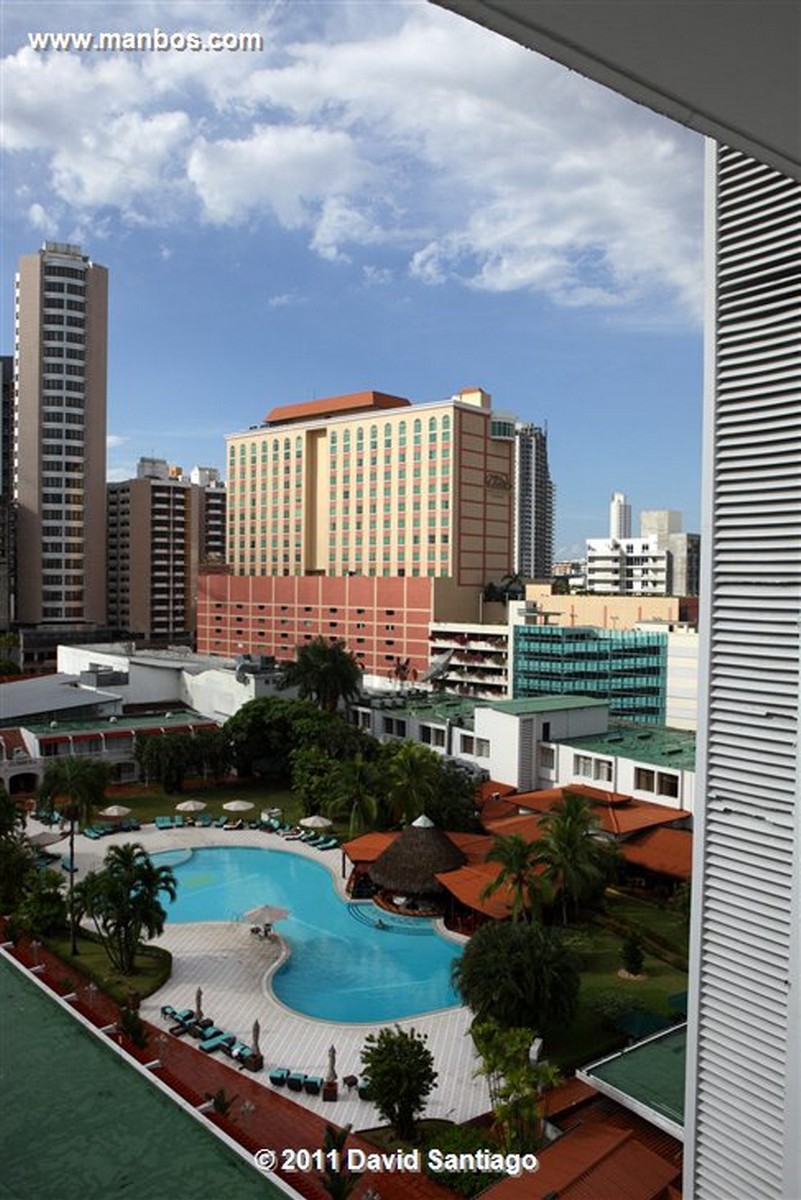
<point x="593" y="1162"/>
<point x="665" y="851"/>
<point x="618" y="814"/>
<point x="12" y="740"/>
<point x="356" y="402"/>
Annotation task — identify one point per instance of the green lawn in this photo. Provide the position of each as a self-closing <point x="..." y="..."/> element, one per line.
<point x="588" y="1038"/>
<point x="652" y="918"/>
<point x="152" y="802"/>
<point x="153" y="967"/>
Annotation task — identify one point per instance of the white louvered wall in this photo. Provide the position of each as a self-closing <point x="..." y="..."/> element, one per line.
<point x="744" y="1056"/>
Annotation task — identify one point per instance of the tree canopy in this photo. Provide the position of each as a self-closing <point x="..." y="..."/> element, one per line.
<point x="576" y="860"/>
<point x="520" y="975"/>
<point x="398" y="1068"/>
<point x="325" y="671"/>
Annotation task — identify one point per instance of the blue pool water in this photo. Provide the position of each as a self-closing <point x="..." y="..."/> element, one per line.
<point x="341" y="967"/>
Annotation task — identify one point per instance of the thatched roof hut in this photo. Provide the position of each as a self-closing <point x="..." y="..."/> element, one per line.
<point x="415" y="858"/>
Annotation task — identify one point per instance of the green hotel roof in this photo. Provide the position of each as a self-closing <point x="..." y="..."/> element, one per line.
<point x="446" y="707"/>
<point x="79" y="1121"/>
<point x="655" y="744"/>
<point x="175" y="719"/>
<point x="540" y="704"/>
<point x="648" y="1076"/>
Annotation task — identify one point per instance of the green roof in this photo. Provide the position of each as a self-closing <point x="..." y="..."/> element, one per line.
<point x="648" y="1076"/>
<point x="540" y="704"/>
<point x="80" y="1121"/>
<point x="653" y="744"/>
<point x="173" y="720"/>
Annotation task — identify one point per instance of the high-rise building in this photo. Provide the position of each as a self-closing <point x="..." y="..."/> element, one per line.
<point x="60" y="437"/>
<point x="619" y="517"/>
<point x="362" y="517"/>
<point x="162" y="529"/>
<point x="7" y="508"/>
<point x="744" y="1050"/>
<point x="533" y="496"/>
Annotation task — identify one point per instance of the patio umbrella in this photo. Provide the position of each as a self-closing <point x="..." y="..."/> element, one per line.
<point x="190" y="806"/>
<point x="238" y="806"/>
<point x="255" y="1039"/>
<point x="316" y="822"/>
<point x="199" y="1004"/>
<point x="115" y="810"/>
<point x="332" y="1065"/>
<point x="266" y="914"/>
<point x="46" y="838"/>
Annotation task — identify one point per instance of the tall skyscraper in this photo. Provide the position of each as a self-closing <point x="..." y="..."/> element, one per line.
<point x="60" y="436"/>
<point x="744" y="1050"/>
<point x="7" y="509"/>
<point x="619" y="517"/>
<point x="533" y="496"/>
<point x="162" y="529"/>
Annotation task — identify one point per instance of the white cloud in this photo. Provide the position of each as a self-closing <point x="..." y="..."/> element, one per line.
<point x="467" y="157"/>
<point x="41" y="219"/>
<point x="284" y="300"/>
<point x="113" y="440"/>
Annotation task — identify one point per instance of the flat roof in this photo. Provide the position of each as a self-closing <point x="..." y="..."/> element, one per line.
<point x="647" y="1078"/>
<point x="649" y="744"/>
<point x="108" y="1131"/>
<point x="47" y="693"/>
<point x="354" y="402"/>
<point x="539" y="704"/>
<point x="121" y="724"/>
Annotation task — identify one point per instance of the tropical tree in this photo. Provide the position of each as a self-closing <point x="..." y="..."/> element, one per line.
<point x="412" y="778"/>
<point x="313" y="773"/>
<point x="167" y="758"/>
<point x="518" y="860"/>
<point x="43" y="909"/>
<point x="123" y="902"/>
<point x="517" y="1082"/>
<point x="325" y="671"/>
<point x="575" y="859"/>
<point x="17" y="868"/>
<point x="76" y="786"/>
<point x="356" y="788"/>
<point x="12" y="815"/>
<point x="453" y="805"/>
<point x="337" y="1179"/>
<point x="522" y="976"/>
<point x="398" y="1069"/>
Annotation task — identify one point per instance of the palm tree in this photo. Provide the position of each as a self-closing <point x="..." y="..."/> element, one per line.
<point x="80" y="784"/>
<point x="356" y="790"/>
<point x="325" y="671"/>
<point x="123" y="901"/>
<point x="518" y="859"/>
<point x="574" y="858"/>
<point x="413" y="773"/>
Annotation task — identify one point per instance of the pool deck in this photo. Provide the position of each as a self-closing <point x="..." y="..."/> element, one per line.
<point x="233" y="968"/>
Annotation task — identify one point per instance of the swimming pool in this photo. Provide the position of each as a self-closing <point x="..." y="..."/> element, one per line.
<point x="341" y="967"/>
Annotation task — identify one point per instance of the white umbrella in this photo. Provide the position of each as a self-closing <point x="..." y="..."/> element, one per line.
<point x="256" y="1031"/>
<point x="190" y="806"/>
<point x="115" y="810"/>
<point x="238" y="806"/>
<point x="266" y="914"/>
<point x="332" y="1065"/>
<point x="199" y="1004"/>
<point x="316" y="822"/>
<point x="45" y="838"/>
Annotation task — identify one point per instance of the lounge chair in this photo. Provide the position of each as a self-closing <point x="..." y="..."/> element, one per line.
<point x="240" y="824"/>
<point x="175" y="1014"/>
<point x="221" y="1042"/>
<point x="295" y="1081"/>
<point x="236" y="1049"/>
<point x="164" y="823"/>
<point x="92" y="833"/>
<point x="178" y="821"/>
<point x="221" y="823"/>
<point x="329" y="844"/>
<point x="204" y="820"/>
<point x="312" y="1084"/>
<point x="279" y="1076"/>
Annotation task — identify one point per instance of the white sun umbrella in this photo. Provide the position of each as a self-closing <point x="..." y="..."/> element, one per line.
<point x="199" y="1004"/>
<point x="238" y="806"/>
<point x="190" y="806"/>
<point x="316" y="822"/>
<point x="256" y="1031"/>
<point x="115" y="810"/>
<point x="45" y="838"/>
<point x="266" y="914"/>
<point x="332" y="1065"/>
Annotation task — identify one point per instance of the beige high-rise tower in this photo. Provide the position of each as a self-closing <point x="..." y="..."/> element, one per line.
<point x="60" y="436"/>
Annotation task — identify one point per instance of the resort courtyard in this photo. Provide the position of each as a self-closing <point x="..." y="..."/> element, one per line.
<point x="233" y="968"/>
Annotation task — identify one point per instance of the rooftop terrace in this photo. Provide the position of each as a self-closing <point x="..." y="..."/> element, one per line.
<point x="647" y="1078"/>
<point x="656" y="744"/>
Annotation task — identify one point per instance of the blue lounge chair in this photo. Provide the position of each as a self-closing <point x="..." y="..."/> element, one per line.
<point x="237" y="1049"/>
<point x="92" y="833"/>
<point x="312" y="1084"/>
<point x="221" y="1042"/>
<point x="163" y="822"/>
<point x="329" y="844"/>
<point x="175" y="1014"/>
<point x="204" y="820"/>
<point x="279" y="1076"/>
<point x="178" y="821"/>
<point x="221" y="822"/>
<point x="295" y="1081"/>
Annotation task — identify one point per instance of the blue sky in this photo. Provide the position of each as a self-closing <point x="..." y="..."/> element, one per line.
<point x="385" y="196"/>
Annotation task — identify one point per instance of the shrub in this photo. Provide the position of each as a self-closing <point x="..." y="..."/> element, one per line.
<point x="462" y="1139"/>
<point x="632" y="954"/>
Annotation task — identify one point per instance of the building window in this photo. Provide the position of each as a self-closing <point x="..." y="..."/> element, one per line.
<point x="643" y="780"/>
<point x="603" y="769"/>
<point x="582" y="765"/>
<point x="547" y="756"/>
<point x="667" y="785"/>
